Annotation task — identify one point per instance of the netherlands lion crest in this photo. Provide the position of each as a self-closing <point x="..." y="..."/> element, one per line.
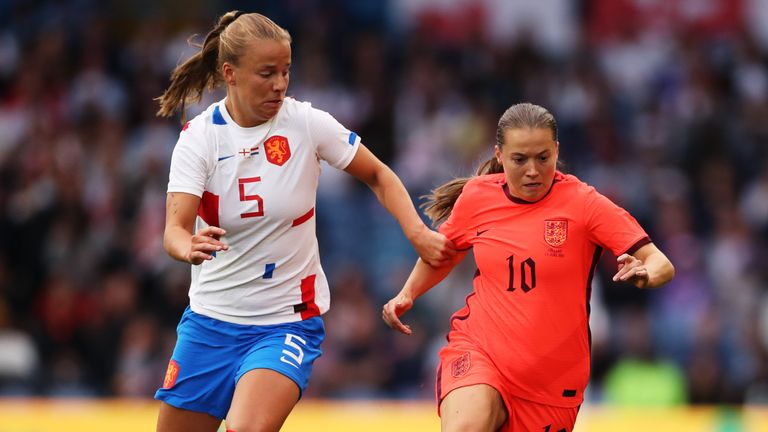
<point x="171" y="374"/>
<point x="555" y="232"/>
<point x="460" y="366"/>
<point x="277" y="149"/>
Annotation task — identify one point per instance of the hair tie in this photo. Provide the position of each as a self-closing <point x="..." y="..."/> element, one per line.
<point x="237" y="14"/>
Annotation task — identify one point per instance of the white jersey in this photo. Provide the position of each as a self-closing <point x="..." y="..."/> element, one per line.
<point x="259" y="184"/>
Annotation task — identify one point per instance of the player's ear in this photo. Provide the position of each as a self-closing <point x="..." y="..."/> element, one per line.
<point x="228" y="72"/>
<point x="497" y="153"/>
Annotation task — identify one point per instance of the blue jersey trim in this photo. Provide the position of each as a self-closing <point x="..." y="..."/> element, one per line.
<point x="352" y="138"/>
<point x="218" y="119"/>
<point x="269" y="270"/>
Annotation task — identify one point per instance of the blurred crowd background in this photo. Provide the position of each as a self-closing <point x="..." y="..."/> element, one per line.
<point x="662" y="105"/>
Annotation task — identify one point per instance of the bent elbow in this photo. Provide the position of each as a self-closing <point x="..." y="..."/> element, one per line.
<point x="670" y="273"/>
<point x="666" y="275"/>
<point x="166" y="243"/>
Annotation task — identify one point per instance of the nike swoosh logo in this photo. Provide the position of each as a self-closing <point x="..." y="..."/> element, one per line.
<point x="481" y="232"/>
<point x="226" y="157"/>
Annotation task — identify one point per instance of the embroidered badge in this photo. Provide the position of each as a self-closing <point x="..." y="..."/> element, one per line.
<point x="171" y="374"/>
<point x="277" y="149"/>
<point x="460" y="366"/>
<point x="555" y="232"/>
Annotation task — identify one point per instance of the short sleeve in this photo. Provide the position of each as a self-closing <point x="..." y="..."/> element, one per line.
<point x="611" y="226"/>
<point x="190" y="164"/>
<point x="335" y="144"/>
<point x="456" y="228"/>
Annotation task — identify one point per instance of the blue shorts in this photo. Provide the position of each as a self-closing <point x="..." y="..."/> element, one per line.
<point x="211" y="355"/>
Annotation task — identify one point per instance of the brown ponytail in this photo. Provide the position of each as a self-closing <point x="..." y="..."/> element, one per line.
<point x="225" y="43"/>
<point x="440" y="202"/>
<point x="524" y="115"/>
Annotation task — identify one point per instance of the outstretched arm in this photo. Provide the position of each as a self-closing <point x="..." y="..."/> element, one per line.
<point x="423" y="277"/>
<point x="178" y="240"/>
<point x="432" y="247"/>
<point x="648" y="267"/>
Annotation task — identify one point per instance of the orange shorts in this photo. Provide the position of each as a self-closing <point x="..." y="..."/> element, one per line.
<point x="463" y="365"/>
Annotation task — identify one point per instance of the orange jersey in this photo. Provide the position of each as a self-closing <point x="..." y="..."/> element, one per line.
<point x="529" y="310"/>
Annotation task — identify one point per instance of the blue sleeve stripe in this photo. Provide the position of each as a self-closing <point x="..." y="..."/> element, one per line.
<point x="270" y="268"/>
<point x="218" y="119"/>
<point x="352" y="138"/>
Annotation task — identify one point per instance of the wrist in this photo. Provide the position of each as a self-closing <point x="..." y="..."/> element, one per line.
<point x="406" y="295"/>
<point x="415" y="231"/>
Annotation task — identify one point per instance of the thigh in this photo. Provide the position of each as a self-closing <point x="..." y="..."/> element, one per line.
<point x="201" y="372"/>
<point x="528" y="415"/>
<point x="476" y="407"/>
<point x="470" y="390"/>
<point x="262" y="401"/>
<point x="172" y="419"/>
<point x="273" y="375"/>
<point x="289" y="349"/>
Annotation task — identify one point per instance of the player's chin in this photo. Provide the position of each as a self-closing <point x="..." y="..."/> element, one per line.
<point x="271" y="108"/>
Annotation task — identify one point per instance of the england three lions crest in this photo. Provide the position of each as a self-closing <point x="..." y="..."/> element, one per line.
<point x="277" y="149"/>
<point x="555" y="232"/>
<point x="460" y="366"/>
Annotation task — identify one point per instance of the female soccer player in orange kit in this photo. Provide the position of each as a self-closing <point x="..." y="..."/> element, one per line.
<point x="517" y="357"/>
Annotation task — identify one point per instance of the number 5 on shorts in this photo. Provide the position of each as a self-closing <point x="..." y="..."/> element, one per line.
<point x="297" y="356"/>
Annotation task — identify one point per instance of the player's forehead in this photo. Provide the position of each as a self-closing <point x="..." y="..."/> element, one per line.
<point x="528" y="140"/>
<point x="267" y="53"/>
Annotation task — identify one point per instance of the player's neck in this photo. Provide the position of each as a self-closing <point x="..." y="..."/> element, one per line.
<point x="239" y="116"/>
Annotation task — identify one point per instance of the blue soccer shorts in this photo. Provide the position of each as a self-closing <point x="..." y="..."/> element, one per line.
<point x="211" y="355"/>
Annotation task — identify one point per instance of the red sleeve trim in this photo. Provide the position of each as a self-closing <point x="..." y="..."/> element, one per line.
<point x="640" y="243"/>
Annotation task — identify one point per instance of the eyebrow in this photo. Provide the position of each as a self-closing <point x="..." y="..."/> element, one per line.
<point x="272" y="65"/>
<point x="523" y="154"/>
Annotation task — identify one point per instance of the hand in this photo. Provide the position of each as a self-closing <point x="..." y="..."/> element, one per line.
<point x="631" y="270"/>
<point x="392" y="311"/>
<point x="204" y="243"/>
<point x="434" y="248"/>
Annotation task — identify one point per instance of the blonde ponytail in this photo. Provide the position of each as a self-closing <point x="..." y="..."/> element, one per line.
<point x="226" y="42"/>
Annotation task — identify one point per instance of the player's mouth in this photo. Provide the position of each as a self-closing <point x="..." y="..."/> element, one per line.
<point x="532" y="185"/>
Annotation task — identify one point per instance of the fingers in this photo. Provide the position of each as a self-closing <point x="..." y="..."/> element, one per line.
<point x="437" y="262"/>
<point x="212" y="231"/>
<point x="205" y="243"/>
<point x="441" y="250"/>
<point x="624" y="264"/>
<point x="390" y="314"/>
<point x="444" y="253"/>
<point x="631" y="269"/>
<point x="627" y="273"/>
<point x="197" y="257"/>
<point x="449" y="249"/>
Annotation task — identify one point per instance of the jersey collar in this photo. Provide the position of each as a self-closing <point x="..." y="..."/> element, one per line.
<point x="517" y="200"/>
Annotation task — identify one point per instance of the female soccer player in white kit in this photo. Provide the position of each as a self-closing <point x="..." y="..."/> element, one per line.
<point x="240" y="207"/>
